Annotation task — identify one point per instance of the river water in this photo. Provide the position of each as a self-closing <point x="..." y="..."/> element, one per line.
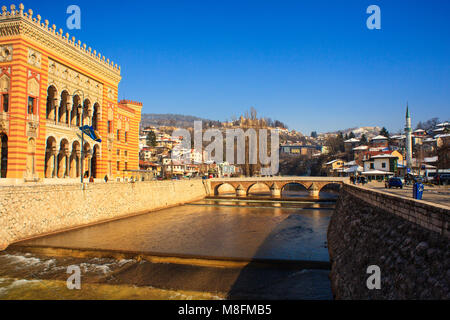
<point x="226" y="230"/>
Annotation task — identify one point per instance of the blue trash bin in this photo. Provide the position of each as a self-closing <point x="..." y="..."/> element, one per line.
<point x="418" y="190"/>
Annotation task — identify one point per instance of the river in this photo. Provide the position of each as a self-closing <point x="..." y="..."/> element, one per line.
<point x="210" y="249"/>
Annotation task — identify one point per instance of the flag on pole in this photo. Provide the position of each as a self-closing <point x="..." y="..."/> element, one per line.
<point x="91" y="133"/>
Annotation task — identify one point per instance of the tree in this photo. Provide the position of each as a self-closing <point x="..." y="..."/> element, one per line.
<point x="352" y="135"/>
<point x="291" y="165"/>
<point x="314" y="134"/>
<point x="363" y="139"/>
<point x="335" y="143"/>
<point x="384" y="132"/>
<point x="279" y="124"/>
<point x="151" y="139"/>
<point x="443" y="153"/>
<point x="428" y="125"/>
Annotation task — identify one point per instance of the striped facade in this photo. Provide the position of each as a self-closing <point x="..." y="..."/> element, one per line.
<point x="50" y="85"/>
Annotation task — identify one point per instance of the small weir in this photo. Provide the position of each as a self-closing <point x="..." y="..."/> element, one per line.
<point x="217" y="248"/>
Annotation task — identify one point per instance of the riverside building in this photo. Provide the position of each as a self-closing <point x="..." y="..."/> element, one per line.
<point x="50" y="85"/>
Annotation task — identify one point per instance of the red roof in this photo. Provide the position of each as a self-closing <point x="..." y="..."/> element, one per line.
<point x="147" y="163"/>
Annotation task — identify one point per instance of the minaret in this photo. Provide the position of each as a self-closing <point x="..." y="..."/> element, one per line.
<point x="408" y="131"/>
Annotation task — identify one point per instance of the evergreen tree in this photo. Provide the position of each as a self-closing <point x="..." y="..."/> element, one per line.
<point x="352" y="135"/>
<point x="384" y="132"/>
<point x="363" y="139"/>
<point x="151" y="139"/>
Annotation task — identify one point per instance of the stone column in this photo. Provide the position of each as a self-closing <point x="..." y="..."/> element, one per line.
<point x="48" y="164"/>
<point x="69" y="111"/>
<point x="71" y="165"/>
<point x="53" y="162"/>
<point x="240" y="191"/>
<point x="89" y="115"/>
<point x="80" y="115"/>
<point x="66" y="156"/>
<point x="275" y="191"/>
<point x="60" y="167"/>
<point x="314" y="191"/>
<point x="78" y="168"/>
<point x="71" y="120"/>
<point x="56" y="102"/>
<point x="51" y="114"/>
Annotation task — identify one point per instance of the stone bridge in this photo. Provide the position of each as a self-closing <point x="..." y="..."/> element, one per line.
<point x="276" y="184"/>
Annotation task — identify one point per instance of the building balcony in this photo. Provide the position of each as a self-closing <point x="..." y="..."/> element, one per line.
<point x="60" y="125"/>
<point x="33" y="117"/>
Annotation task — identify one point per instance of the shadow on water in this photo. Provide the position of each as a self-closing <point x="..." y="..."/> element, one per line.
<point x="308" y="280"/>
<point x="305" y="279"/>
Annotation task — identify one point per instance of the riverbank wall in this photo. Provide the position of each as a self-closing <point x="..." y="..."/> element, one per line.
<point x="408" y="240"/>
<point x="36" y="210"/>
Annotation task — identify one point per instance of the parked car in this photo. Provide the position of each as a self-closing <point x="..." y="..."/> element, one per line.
<point x="442" y="179"/>
<point x="394" y="182"/>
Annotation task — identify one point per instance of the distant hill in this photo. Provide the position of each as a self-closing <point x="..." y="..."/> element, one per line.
<point x="368" y="131"/>
<point x="172" y="120"/>
<point x="359" y="131"/>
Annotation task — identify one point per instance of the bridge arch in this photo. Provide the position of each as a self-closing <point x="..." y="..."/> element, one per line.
<point x="225" y="186"/>
<point x="330" y="187"/>
<point x="302" y="187"/>
<point x="256" y="185"/>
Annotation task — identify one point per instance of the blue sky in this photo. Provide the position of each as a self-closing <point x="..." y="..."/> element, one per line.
<point x="311" y="64"/>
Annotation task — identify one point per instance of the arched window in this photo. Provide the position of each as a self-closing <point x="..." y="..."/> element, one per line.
<point x="51" y="101"/>
<point x="4" y="90"/>
<point x="85" y="114"/>
<point x="96" y="116"/>
<point x="50" y="158"/>
<point x="75" y="114"/>
<point x="94" y="161"/>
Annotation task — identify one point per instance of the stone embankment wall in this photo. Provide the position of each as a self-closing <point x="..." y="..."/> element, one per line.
<point x="407" y="239"/>
<point x="29" y="211"/>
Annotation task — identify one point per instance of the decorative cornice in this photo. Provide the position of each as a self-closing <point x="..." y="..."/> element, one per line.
<point x="17" y="22"/>
<point x="130" y="102"/>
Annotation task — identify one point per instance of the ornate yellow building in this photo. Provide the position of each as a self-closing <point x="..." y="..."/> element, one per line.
<point x="50" y="84"/>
